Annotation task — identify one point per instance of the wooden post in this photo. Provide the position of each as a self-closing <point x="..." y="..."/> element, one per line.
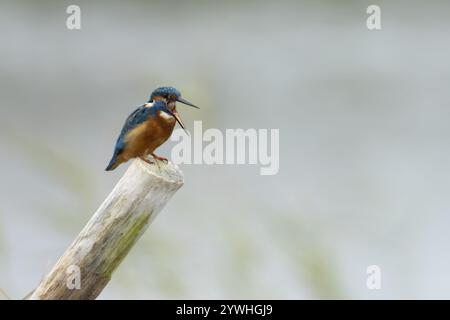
<point x="109" y="235"/>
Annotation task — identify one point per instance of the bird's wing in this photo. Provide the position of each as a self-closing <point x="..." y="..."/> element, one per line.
<point x="137" y="117"/>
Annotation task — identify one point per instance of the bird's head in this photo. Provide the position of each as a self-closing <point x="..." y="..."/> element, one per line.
<point x="170" y="96"/>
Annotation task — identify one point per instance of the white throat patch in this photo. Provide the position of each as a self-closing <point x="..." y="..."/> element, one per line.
<point x="165" y="115"/>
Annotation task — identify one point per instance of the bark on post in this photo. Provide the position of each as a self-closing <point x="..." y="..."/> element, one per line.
<point x="109" y="235"/>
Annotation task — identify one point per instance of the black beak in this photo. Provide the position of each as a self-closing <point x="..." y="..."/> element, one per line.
<point x="184" y="101"/>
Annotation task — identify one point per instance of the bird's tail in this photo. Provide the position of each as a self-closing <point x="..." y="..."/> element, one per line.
<point x="114" y="163"/>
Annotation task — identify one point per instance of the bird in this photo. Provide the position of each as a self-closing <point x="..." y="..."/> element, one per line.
<point x="148" y="127"/>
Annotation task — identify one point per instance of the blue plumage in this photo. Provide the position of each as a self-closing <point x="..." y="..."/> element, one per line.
<point x="164" y="91"/>
<point x="146" y="128"/>
<point x="137" y="117"/>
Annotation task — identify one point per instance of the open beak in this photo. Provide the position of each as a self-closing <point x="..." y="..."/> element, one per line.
<point x="184" y="101"/>
<point x="174" y="113"/>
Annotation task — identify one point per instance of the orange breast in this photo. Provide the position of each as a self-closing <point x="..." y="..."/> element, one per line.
<point x="148" y="136"/>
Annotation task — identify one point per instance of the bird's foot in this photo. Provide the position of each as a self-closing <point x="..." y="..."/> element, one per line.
<point x="159" y="158"/>
<point x="145" y="159"/>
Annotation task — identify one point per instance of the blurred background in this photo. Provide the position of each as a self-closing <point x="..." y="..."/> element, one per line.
<point x="364" y="144"/>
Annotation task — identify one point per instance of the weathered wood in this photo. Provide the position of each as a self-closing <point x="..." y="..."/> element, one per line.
<point x="108" y="236"/>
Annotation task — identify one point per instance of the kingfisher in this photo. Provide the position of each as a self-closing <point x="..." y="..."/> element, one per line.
<point x="148" y="127"/>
